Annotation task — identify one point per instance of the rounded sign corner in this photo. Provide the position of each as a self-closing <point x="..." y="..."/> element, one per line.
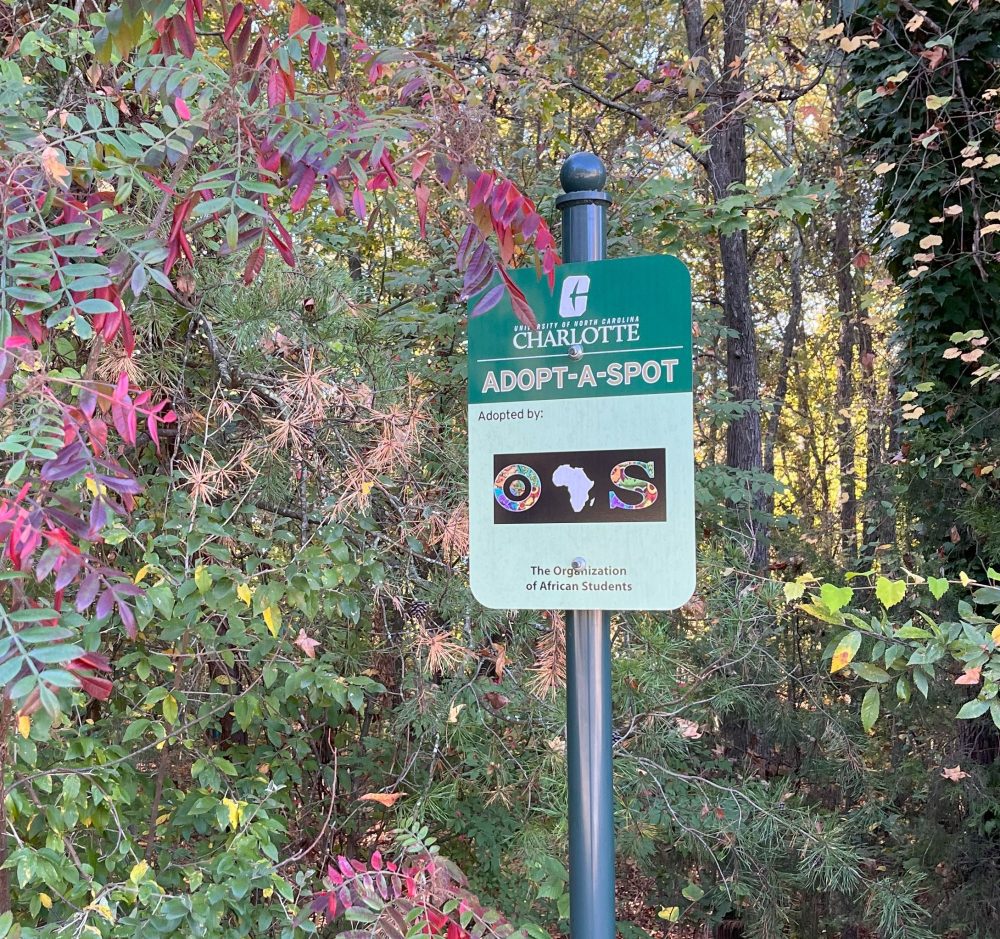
<point x="481" y="595"/>
<point x="687" y="593"/>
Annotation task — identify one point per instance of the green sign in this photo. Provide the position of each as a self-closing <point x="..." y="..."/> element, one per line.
<point x="581" y="460"/>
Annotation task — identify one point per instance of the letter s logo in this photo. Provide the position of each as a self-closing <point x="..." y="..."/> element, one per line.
<point x="620" y="480"/>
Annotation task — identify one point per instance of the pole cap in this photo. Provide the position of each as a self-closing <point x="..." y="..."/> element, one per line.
<point x="583" y="171"/>
<point x="582" y="177"/>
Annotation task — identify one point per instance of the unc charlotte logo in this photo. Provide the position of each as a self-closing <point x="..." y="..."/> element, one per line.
<point x="573" y="299"/>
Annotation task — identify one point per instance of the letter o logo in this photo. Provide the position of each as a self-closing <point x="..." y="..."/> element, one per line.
<point x="517" y="487"/>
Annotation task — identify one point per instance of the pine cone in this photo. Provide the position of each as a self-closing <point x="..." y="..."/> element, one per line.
<point x="418" y="610"/>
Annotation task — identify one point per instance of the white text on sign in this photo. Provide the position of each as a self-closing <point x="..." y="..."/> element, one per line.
<point x="650" y="372"/>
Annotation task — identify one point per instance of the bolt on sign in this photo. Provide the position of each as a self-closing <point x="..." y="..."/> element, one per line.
<point x="581" y="441"/>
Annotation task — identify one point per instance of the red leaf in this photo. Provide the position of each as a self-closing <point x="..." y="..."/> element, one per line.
<point x="232" y="24"/>
<point x="462" y="256"/>
<point x="153" y="432"/>
<point x="128" y="619"/>
<point x="522" y="309"/>
<point x="184" y="35"/>
<point x="99" y="688"/>
<point x="299" y="19"/>
<point x="254" y="263"/>
<point x="317" y="52"/>
<point x="419" y="163"/>
<point x="242" y="41"/>
<point x="358" y="201"/>
<point x="276" y="89"/>
<point x="183" y="111"/>
<point x="284" y="247"/>
<point x="480" y="190"/>
<point x="488" y="300"/>
<point x="303" y="190"/>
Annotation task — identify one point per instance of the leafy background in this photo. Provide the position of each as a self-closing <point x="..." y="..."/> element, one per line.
<point x="246" y="688"/>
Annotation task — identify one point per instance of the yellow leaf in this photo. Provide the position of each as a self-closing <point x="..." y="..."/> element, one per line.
<point x="142" y="572"/>
<point x="930" y="241"/>
<point x="884" y="168"/>
<point x="846" y="649"/>
<point x="953" y="210"/>
<point x="830" y="32"/>
<point x="103" y="909"/>
<point x="850" y="45"/>
<point x="964" y="578"/>
<point x="670" y="913"/>
<point x="272" y="617"/>
<point x="24" y="725"/>
<point x="990" y="229"/>
<point x="915" y="22"/>
<point x="45" y="900"/>
<point x="94" y="489"/>
<point x="898" y="229"/>
<point x="245" y="593"/>
<point x="995" y="635"/>
<point x="235" y="812"/>
<point x="138" y="872"/>
<point x="267" y="892"/>
<point x="991" y="160"/>
<point x="366" y="488"/>
<point x="794" y="590"/>
<point x="456" y="709"/>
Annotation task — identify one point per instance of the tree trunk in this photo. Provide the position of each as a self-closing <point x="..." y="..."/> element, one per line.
<point x="726" y="163"/>
<point x="789" y="339"/>
<point x="842" y="261"/>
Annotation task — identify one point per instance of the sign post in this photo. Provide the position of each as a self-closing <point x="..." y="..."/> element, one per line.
<point x="584" y="206"/>
<point x="581" y="482"/>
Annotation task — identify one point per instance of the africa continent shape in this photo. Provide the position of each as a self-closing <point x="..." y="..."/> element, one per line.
<point x="576" y="481"/>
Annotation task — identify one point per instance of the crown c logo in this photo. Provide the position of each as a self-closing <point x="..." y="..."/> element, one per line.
<point x="573" y="300"/>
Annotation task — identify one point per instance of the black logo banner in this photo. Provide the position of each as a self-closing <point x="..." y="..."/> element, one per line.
<point x="626" y="485"/>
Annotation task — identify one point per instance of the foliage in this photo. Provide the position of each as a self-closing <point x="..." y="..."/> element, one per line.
<point x="927" y="114"/>
<point x="240" y="653"/>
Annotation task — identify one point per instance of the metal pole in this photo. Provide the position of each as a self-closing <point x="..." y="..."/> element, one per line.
<point x="588" y="638"/>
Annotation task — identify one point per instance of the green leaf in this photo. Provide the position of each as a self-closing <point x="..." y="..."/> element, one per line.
<point x="170" y="709"/>
<point x="936" y="102"/>
<point x="870" y="672"/>
<point x="971" y="709"/>
<point x="939" y="586"/>
<point x="692" y="892"/>
<point x="835" y="598"/>
<point x="890" y="592"/>
<point x="202" y="579"/>
<point x="870" y="707"/>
